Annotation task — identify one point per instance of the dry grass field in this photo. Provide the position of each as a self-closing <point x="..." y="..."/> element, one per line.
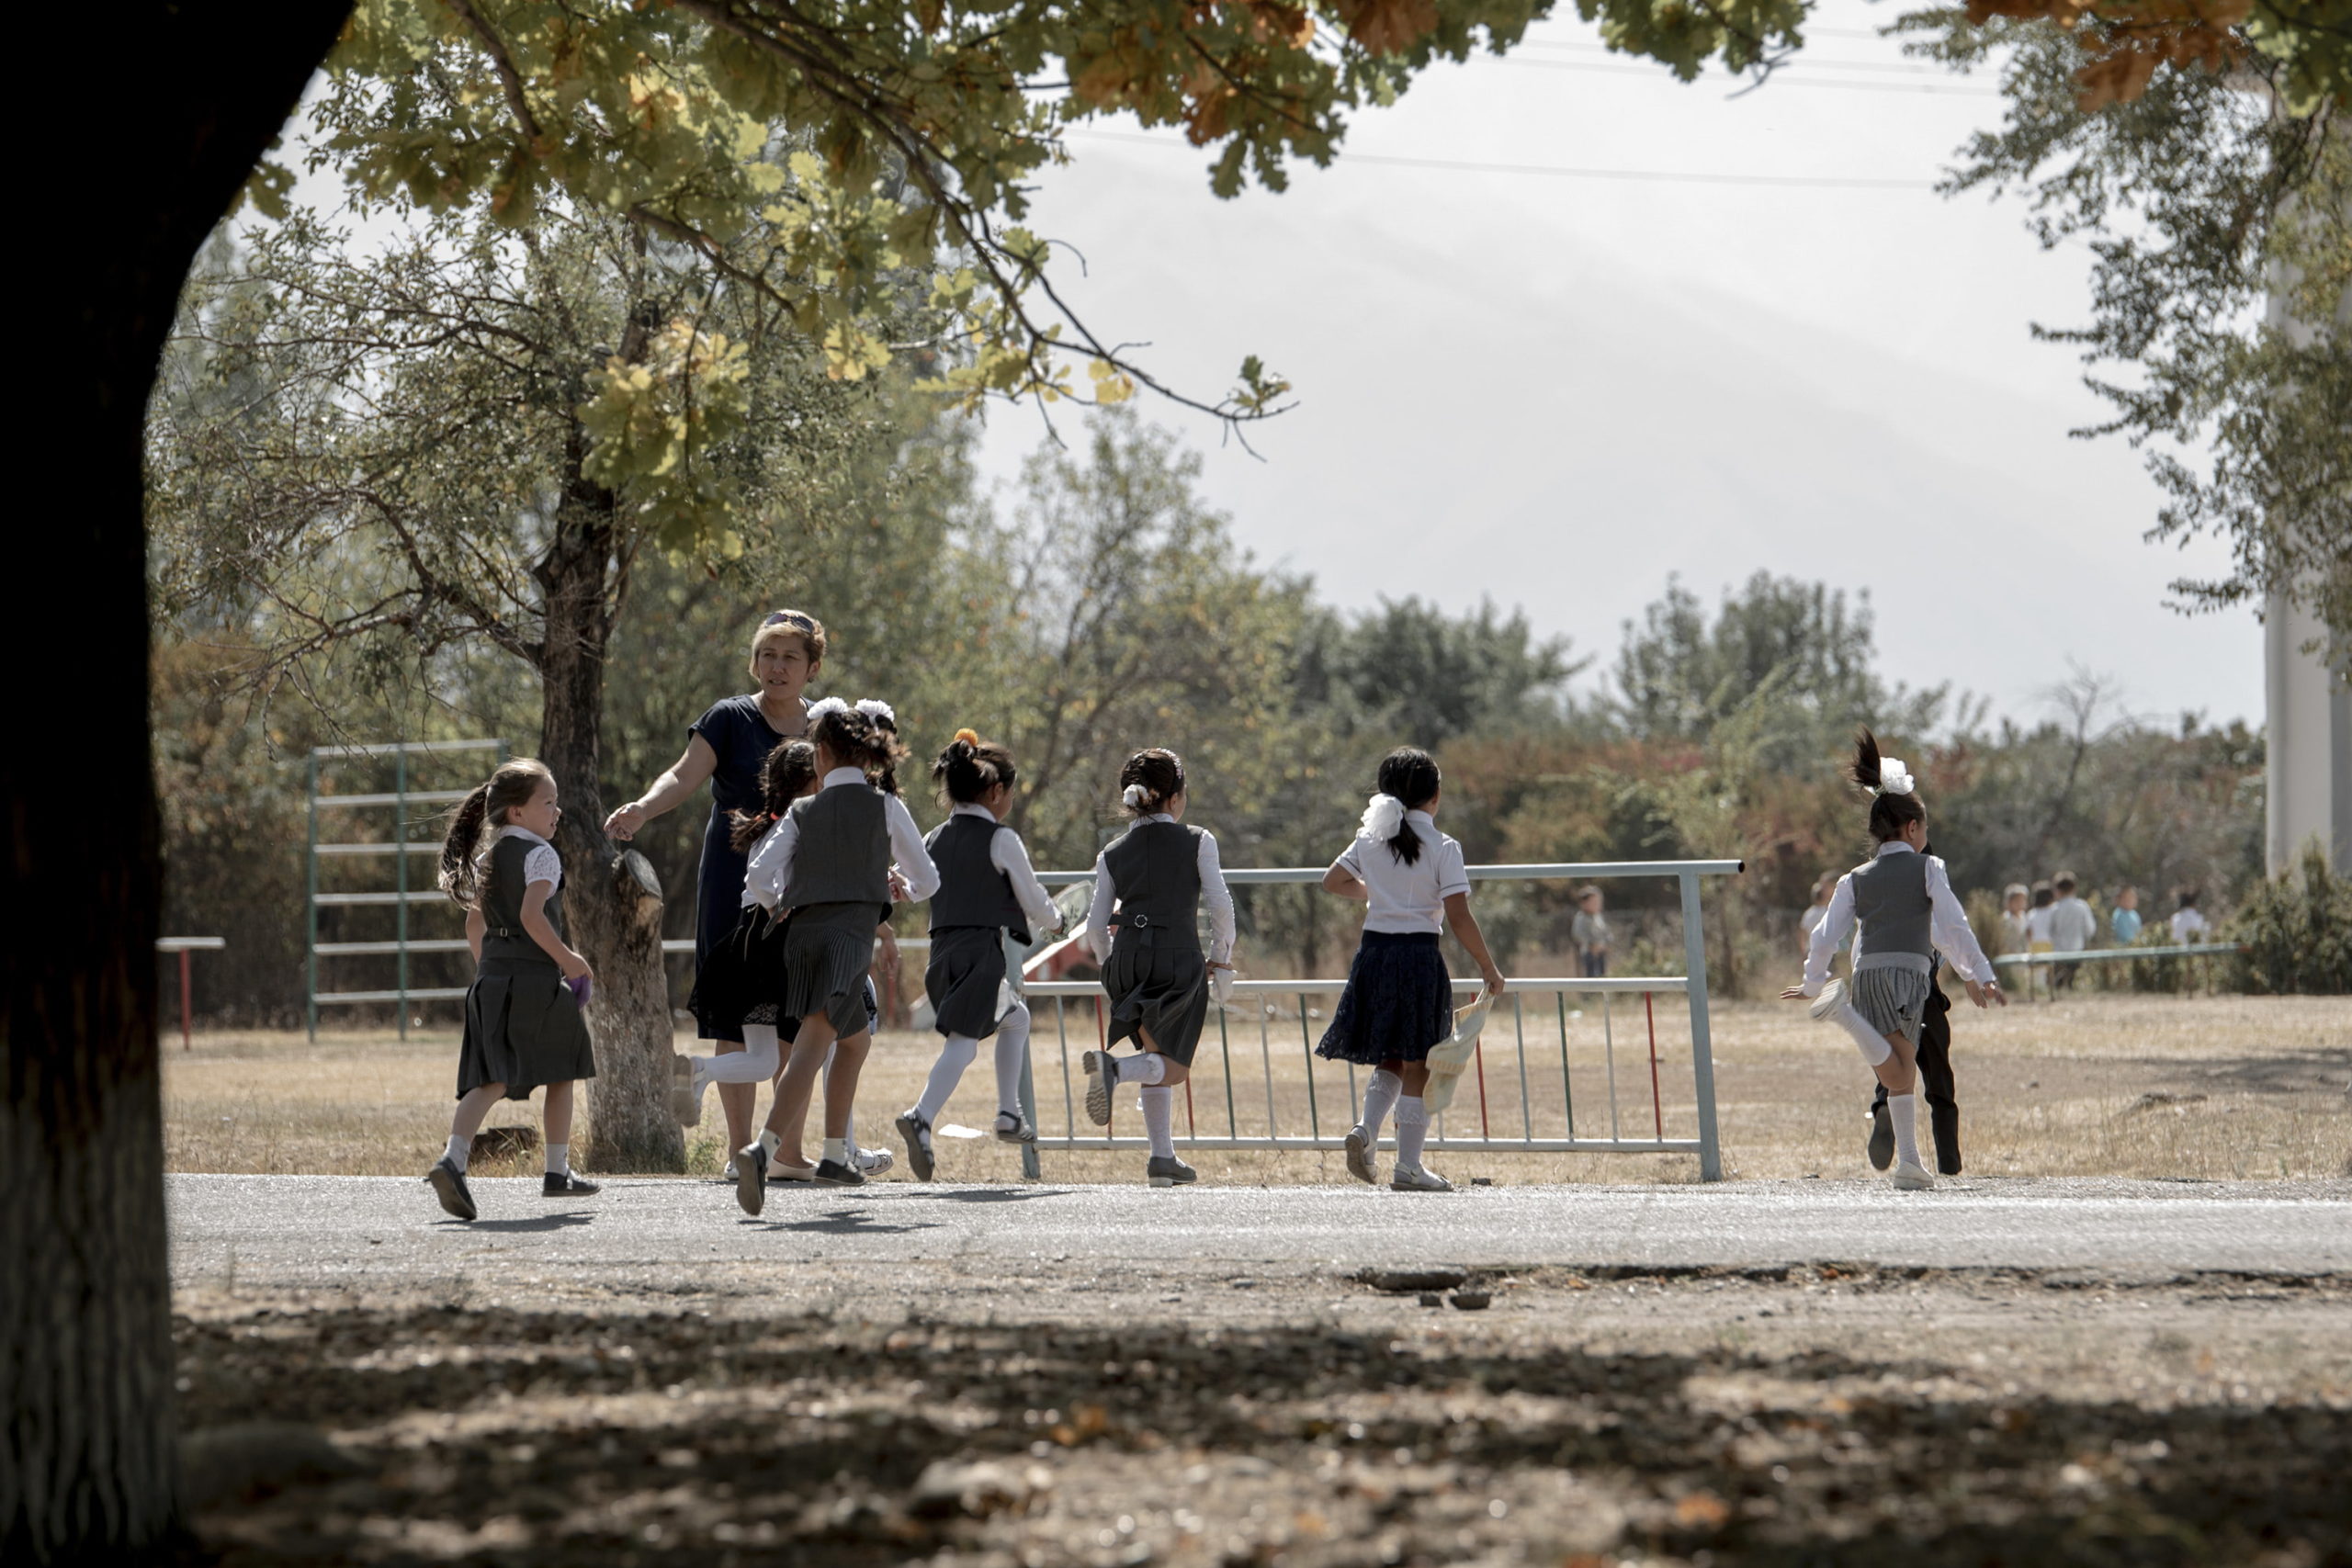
<point x="2194" y="1088"/>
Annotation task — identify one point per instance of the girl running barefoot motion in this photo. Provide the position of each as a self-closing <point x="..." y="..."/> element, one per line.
<point x="829" y="862"/>
<point x="1902" y="902"/>
<point x="1148" y="887"/>
<point x="522" y="1023"/>
<point x="1399" y="999"/>
<point x="987" y="892"/>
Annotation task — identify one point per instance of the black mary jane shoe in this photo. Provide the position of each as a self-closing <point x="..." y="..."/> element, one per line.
<point x="448" y="1184"/>
<point x="564" y="1184"/>
<point x="917" y="1134"/>
<point x="751" y="1177"/>
<point x="833" y="1173"/>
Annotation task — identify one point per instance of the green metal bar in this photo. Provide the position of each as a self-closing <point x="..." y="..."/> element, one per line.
<point x="1568" y="1084"/>
<point x="1703" y="1057"/>
<point x="1224" y="1054"/>
<point x="311" y="898"/>
<point x="400" y="830"/>
<point x="1306" y="1045"/>
<point x="1526" y="1100"/>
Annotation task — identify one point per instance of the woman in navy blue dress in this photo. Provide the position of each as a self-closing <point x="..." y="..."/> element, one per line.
<point x="727" y="745"/>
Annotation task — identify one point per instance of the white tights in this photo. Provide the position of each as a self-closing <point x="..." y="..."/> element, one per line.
<point x="1011" y="1049"/>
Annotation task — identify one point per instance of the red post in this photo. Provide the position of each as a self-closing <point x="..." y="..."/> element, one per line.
<point x="1657" y="1111"/>
<point x="187" y="1008"/>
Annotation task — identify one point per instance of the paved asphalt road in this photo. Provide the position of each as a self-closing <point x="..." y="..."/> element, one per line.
<point x="321" y="1230"/>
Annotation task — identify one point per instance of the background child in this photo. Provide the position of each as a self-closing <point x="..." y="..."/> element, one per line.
<point x="1155" y="877"/>
<point x="829" y="862"/>
<point x="2124" y="920"/>
<point x="1399" y="999"/>
<point x="2188" y="924"/>
<point x="987" y="892"/>
<point x="2073" y="928"/>
<point x="524" y="1028"/>
<point x="1903" y="904"/>
<point x="1589" y="932"/>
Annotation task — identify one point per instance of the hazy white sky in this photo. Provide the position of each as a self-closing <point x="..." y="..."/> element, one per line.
<point x="1557" y="391"/>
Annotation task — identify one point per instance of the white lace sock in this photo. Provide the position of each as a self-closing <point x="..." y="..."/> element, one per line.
<point x="1144" y="1068"/>
<point x="1011" y="1050"/>
<point x="1380" y="1098"/>
<point x="1903" y="1109"/>
<point x="946" y="1074"/>
<point x="1159" y="1120"/>
<point x="559" y="1159"/>
<point x="1412" y="1127"/>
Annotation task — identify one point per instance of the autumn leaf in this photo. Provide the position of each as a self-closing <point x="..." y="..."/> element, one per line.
<point x="1388" y="26"/>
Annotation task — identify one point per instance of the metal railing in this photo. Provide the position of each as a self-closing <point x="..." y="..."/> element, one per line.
<point x="1292" y="1072"/>
<point x="2039" y="964"/>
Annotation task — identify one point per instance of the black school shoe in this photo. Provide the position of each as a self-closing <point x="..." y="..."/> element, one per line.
<point x="917" y="1133"/>
<point x="751" y="1177"/>
<point x="833" y="1173"/>
<point x="1881" y="1148"/>
<point x="448" y="1184"/>
<point x="563" y="1184"/>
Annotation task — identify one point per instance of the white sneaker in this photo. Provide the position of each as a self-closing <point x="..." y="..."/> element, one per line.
<point x="729" y="1174"/>
<point x="1909" y="1178"/>
<point x="686" y="1084"/>
<point x="1413" y="1179"/>
<point x="1832" y="998"/>
<point x="872" y="1162"/>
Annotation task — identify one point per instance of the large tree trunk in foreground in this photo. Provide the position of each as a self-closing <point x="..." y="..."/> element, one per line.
<point x="186" y="99"/>
<point x="612" y="899"/>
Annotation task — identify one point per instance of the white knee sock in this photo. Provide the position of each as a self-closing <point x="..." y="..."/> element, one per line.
<point x="1159" y="1120"/>
<point x="1379" y="1098"/>
<point x="459" y="1147"/>
<point x="756" y="1062"/>
<point x="1146" y="1068"/>
<point x="946" y="1074"/>
<point x="1011" y="1050"/>
<point x="1875" y="1045"/>
<point x="558" y="1158"/>
<point x="1903" y="1109"/>
<point x="1412" y="1126"/>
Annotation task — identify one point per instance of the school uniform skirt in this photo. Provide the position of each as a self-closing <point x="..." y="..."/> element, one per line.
<point x="1892" y="1000"/>
<point x="1398" y="1004"/>
<point x="828" y="955"/>
<point x="1164" y="989"/>
<point x="740" y="979"/>
<point x="965" y="980"/>
<point x="523" y="1029"/>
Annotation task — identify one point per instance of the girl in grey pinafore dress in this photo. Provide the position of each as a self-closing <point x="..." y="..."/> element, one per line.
<point x="1901" y="905"/>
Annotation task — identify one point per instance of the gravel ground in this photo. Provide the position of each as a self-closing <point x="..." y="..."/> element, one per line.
<point x="794" y="1400"/>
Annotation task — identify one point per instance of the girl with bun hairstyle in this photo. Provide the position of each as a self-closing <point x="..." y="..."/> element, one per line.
<point x="524" y="1027"/>
<point x="989" y="898"/>
<point x="1143" y="928"/>
<point x="828" y="861"/>
<point x="1901" y="901"/>
<point x="1398" y="1003"/>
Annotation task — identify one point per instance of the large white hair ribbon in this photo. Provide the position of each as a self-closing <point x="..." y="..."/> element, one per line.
<point x="878" y="711"/>
<point x="824" y="706"/>
<point x="1135" y="794"/>
<point x="1382" y="814"/>
<point x="1894" y="776"/>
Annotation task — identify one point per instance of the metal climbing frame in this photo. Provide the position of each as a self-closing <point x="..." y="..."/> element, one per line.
<point x="397" y="845"/>
<point x="1290" y="1071"/>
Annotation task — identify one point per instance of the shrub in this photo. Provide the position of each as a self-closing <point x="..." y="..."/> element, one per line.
<point x="2297" y="931"/>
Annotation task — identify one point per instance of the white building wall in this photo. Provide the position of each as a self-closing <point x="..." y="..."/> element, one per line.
<point x="2309" y="776"/>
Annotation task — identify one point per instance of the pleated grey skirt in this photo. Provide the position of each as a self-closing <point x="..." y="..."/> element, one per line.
<point x="965" y="980"/>
<point x="1163" y="989"/>
<point x="828" y="952"/>
<point x="523" y="1029"/>
<point x="1893" y="1000"/>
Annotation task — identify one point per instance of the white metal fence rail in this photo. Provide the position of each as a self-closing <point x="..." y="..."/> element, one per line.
<point x="1225" y="1046"/>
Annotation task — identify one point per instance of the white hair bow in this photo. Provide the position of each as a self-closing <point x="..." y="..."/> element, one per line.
<point x="1894" y="776"/>
<point x="1382" y="814"/>
<point x="824" y="706"/>
<point x="1135" y="794"/>
<point x="878" y="710"/>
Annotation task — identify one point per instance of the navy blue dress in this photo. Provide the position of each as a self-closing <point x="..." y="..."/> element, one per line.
<point x="740" y="733"/>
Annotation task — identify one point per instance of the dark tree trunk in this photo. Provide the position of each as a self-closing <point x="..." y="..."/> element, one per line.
<point x="192" y="99"/>
<point x="612" y="899"/>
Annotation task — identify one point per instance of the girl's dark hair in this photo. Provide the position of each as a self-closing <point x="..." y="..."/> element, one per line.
<point x="1410" y="774"/>
<point x="970" y="767"/>
<point x="1888" y="812"/>
<point x="485" y="805"/>
<point x="860" y="740"/>
<point x="1161" y="774"/>
<point x="785" y="777"/>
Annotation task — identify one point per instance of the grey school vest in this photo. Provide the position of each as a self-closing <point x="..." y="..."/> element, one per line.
<point x="972" y="891"/>
<point x="842" y="855"/>
<point x="1890" y="903"/>
<point x="1156" y="872"/>
<point x="502" y="905"/>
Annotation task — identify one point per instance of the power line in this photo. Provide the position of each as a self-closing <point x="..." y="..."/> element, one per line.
<point x="1796" y="63"/>
<point x="1779" y="80"/>
<point x="1557" y="171"/>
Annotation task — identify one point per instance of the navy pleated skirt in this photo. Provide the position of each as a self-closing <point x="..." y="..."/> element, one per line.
<point x="828" y="952"/>
<point x="1399" y="1005"/>
<point x="965" y="980"/>
<point x="523" y="1029"/>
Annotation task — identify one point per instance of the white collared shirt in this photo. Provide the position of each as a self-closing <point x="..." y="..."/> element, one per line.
<point x="1947" y="925"/>
<point x="2072" y="925"/>
<point x="1408" y="898"/>
<point x="1011" y="856"/>
<point x="1214" y="893"/>
<point x="770" y="872"/>
<point x="541" y="863"/>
